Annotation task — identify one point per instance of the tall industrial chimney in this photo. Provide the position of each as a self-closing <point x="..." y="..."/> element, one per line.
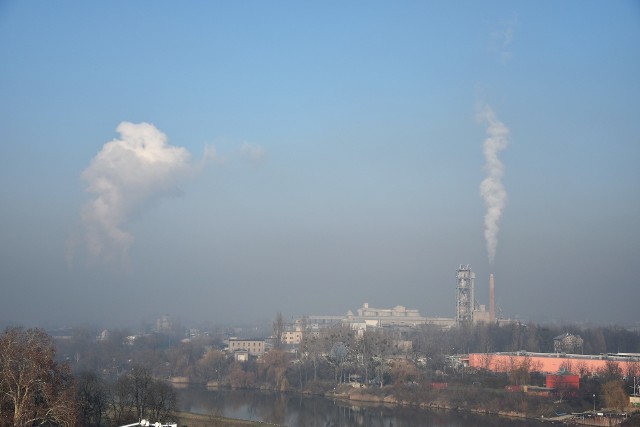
<point x="492" y="300"/>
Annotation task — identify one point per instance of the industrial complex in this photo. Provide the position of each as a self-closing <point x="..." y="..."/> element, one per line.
<point x="467" y="311"/>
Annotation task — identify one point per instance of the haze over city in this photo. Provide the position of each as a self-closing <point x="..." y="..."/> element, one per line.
<point x="225" y="161"/>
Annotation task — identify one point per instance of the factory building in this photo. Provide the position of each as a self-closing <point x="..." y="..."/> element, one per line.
<point x="368" y="317"/>
<point x="552" y="363"/>
<point x="467" y="311"/>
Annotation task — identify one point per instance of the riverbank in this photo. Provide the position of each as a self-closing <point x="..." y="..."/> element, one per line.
<point x="483" y="402"/>
<point x="202" y="420"/>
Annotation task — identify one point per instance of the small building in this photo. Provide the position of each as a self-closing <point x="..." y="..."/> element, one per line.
<point x="255" y="347"/>
<point x="292" y="335"/>
<point x="563" y="381"/>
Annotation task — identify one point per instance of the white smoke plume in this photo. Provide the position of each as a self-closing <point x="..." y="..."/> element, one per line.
<point x="491" y="188"/>
<point x="126" y="176"/>
<point x="500" y="41"/>
<point x="253" y="153"/>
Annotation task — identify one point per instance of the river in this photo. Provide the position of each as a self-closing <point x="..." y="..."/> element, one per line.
<point x="293" y="410"/>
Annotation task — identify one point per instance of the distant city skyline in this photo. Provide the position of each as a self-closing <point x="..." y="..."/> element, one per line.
<point x="227" y="161"/>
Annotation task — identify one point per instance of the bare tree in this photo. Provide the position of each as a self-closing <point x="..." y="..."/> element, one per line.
<point x="611" y="371"/>
<point x="581" y="368"/>
<point x="379" y="349"/>
<point x="141" y="381"/>
<point x="212" y="365"/>
<point x="337" y="357"/>
<point x="486" y="360"/>
<point x="614" y="396"/>
<point x="278" y="331"/>
<point x="34" y="389"/>
<point x="373" y="347"/>
<point x="272" y="369"/>
<point x="162" y="401"/>
<point x="520" y="373"/>
<point x="337" y="347"/>
<point x="92" y="398"/>
<point x="121" y="404"/>
<point x="312" y="350"/>
<point x="137" y="395"/>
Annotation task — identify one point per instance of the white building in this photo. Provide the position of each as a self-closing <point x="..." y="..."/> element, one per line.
<point x="255" y="347"/>
<point x="369" y="317"/>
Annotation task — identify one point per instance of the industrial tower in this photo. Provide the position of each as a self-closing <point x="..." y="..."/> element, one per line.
<point x="465" y="299"/>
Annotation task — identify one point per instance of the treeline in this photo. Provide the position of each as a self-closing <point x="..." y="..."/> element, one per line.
<point x="132" y="397"/>
<point x="37" y="389"/>
<point x="118" y="378"/>
<point x="325" y="358"/>
<point x="324" y="355"/>
<point x="485" y="338"/>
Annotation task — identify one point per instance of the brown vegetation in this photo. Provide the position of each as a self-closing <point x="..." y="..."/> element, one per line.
<point x="34" y="389"/>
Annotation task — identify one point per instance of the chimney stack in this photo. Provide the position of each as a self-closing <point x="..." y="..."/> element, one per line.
<point x="492" y="299"/>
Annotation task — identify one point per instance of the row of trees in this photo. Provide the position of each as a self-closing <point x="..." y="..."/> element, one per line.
<point x="134" y="396"/>
<point x="168" y="356"/>
<point x="484" y="338"/>
<point x="36" y="389"/>
<point x="323" y="360"/>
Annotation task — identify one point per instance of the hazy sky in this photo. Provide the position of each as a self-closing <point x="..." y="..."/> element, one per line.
<point x="231" y="159"/>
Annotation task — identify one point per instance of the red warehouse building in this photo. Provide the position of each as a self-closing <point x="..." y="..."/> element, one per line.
<point x="560" y="381"/>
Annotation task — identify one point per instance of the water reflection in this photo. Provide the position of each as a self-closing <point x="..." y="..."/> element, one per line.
<point x="294" y="410"/>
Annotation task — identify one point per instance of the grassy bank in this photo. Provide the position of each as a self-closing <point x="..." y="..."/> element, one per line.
<point x="203" y="420"/>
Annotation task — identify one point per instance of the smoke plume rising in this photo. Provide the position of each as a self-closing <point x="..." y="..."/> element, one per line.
<point x="491" y="188"/>
<point x="126" y="176"/>
<point x="253" y="153"/>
